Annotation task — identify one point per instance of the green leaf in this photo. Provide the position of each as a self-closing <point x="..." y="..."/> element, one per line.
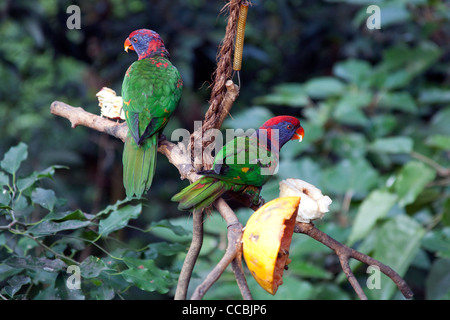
<point x="119" y="219"/>
<point x="147" y="276"/>
<point x="402" y="101"/>
<point x="68" y="215"/>
<point x="324" y="87"/>
<point x="15" y="284"/>
<point x="308" y="270"/>
<point x="14" y="157"/>
<point x="112" y="207"/>
<point x="396" y="244"/>
<point x="373" y="208"/>
<point x="48" y="227"/>
<point x="446" y="213"/>
<point x="164" y="249"/>
<point x="438" y="280"/>
<point x="25" y="183"/>
<point x="305" y="168"/>
<point x="439" y="122"/>
<point x="44" y="197"/>
<point x="36" y="264"/>
<point x="402" y="63"/>
<point x="356" y="175"/>
<point x="250" y="118"/>
<point x="434" y="95"/>
<point x="353" y="71"/>
<point x="397" y="144"/>
<point x="50" y="171"/>
<point x="350" y="145"/>
<point x="91" y="267"/>
<point x="5" y="199"/>
<point x="292" y="288"/>
<point x="348" y="109"/>
<point x="4" y="179"/>
<point x="25" y="244"/>
<point x="382" y="125"/>
<point x="439" y="141"/>
<point x="7" y="271"/>
<point x="438" y="241"/>
<point x="286" y="94"/>
<point x="165" y="223"/>
<point x="411" y="180"/>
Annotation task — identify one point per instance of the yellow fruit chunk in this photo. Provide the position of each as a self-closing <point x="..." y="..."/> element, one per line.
<point x="266" y="241"/>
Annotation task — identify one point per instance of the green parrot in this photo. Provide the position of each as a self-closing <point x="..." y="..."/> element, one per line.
<point x="151" y="91"/>
<point x="242" y="166"/>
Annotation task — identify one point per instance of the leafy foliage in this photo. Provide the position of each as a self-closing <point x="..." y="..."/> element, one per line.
<point x="40" y="240"/>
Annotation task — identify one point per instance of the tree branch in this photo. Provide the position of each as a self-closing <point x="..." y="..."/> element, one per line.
<point x="233" y="252"/>
<point x="191" y="257"/>
<point x="175" y="153"/>
<point x="78" y="116"/>
<point x="345" y="253"/>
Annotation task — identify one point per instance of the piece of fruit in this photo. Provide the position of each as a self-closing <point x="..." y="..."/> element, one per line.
<point x="110" y="104"/>
<point x="314" y="204"/>
<point x="266" y="241"/>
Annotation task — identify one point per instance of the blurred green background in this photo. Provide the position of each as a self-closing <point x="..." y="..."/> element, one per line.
<point x="375" y="105"/>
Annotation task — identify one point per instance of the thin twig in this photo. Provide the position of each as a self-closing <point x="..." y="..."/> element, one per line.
<point x="191" y="257"/>
<point x="234" y="248"/>
<point x="236" y="266"/>
<point x="345" y="253"/>
<point x="442" y="171"/>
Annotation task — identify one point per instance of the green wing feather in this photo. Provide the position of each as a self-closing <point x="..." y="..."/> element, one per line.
<point x="244" y="161"/>
<point x="200" y="194"/>
<point x="240" y="163"/>
<point x="151" y="91"/>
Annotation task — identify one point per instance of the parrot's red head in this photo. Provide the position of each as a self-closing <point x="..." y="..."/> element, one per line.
<point x="146" y="43"/>
<point x="288" y="127"/>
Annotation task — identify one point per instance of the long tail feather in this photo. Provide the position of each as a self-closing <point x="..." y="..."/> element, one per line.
<point x="200" y="194"/>
<point x="139" y="163"/>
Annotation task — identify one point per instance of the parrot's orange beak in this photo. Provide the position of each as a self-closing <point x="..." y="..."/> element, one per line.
<point x="299" y="134"/>
<point x="127" y="45"/>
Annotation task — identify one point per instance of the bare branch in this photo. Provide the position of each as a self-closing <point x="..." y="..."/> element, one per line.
<point x="78" y="116"/>
<point x="234" y="249"/>
<point x="236" y="266"/>
<point x="345" y="253"/>
<point x="175" y="153"/>
<point x="191" y="257"/>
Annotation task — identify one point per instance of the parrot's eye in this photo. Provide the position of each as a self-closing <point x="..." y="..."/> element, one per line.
<point x="134" y="40"/>
<point x="289" y="126"/>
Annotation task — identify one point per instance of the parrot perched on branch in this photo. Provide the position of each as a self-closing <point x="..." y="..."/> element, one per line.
<point x="151" y="91"/>
<point x="243" y="165"/>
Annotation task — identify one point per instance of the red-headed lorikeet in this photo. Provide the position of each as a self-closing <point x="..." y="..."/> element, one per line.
<point x="243" y="165"/>
<point x="151" y="91"/>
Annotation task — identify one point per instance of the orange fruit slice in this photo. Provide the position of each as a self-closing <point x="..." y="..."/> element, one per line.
<point x="266" y="241"/>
